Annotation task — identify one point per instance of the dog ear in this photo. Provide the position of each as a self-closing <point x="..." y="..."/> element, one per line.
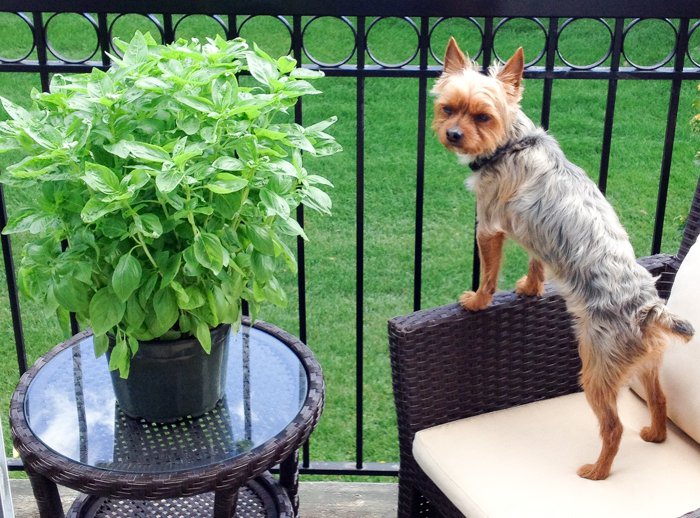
<point x="455" y="60"/>
<point x="512" y="71"/>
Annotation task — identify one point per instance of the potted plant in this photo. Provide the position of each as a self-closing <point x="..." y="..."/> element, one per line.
<point x="163" y="194"/>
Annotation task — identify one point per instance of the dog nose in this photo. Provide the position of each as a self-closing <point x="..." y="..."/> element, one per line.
<point x="454" y="135"/>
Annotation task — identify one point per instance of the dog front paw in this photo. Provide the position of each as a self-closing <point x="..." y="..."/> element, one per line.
<point x="474" y="301"/>
<point x="529" y="288"/>
<point x="593" y="472"/>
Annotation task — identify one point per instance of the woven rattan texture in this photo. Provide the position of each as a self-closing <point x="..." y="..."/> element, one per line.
<point x="262" y="498"/>
<point x="449" y="364"/>
<point x="140" y="445"/>
<point x="42" y="462"/>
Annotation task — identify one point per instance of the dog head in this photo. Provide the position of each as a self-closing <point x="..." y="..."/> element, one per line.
<point x="474" y="111"/>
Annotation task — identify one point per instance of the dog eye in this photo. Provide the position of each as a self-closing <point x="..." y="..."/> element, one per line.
<point x="447" y="110"/>
<point x="481" y="117"/>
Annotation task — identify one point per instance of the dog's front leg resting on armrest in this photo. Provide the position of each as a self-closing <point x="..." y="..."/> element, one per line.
<point x="490" y="254"/>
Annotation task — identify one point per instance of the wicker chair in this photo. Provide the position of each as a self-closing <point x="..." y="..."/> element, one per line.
<point x="449" y="364"/>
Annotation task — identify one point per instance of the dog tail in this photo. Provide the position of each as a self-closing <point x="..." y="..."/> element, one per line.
<point x="660" y="317"/>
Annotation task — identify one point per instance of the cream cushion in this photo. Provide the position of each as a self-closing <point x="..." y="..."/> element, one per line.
<point x="680" y="370"/>
<point x="522" y="462"/>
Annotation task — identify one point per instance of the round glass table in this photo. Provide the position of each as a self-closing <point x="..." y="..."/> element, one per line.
<point x="69" y="430"/>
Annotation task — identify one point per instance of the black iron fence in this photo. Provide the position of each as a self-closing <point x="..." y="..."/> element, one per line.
<point x="550" y="18"/>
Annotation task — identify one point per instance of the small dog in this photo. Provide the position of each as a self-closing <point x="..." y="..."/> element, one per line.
<point x="527" y="189"/>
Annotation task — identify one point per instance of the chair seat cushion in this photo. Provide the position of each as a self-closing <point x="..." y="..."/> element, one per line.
<point x="680" y="370"/>
<point x="522" y="462"/>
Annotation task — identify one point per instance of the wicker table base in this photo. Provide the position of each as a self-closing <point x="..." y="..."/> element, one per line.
<point x="262" y="497"/>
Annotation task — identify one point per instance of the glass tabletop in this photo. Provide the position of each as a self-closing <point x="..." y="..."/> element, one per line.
<point x="70" y="407"/>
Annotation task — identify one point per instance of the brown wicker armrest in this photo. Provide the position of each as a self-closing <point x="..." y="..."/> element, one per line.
<point x="449" y="363"/>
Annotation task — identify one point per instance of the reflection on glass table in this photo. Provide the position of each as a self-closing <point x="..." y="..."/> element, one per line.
<point x="72" y="410"/>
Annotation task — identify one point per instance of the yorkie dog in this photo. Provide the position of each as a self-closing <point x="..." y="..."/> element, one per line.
<point x="527" y="189"/>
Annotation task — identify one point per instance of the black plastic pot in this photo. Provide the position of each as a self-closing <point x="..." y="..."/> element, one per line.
<point x="172" y="379"/>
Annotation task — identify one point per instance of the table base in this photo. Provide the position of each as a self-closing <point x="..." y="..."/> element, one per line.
<point x="262" y="497"/>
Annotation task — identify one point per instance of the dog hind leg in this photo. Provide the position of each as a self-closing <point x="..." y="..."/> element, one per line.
<point x="656" y="401"/>
<point x="601" y="384"/>
<point x="655" y="338"/>
<point x="604" y="405"/>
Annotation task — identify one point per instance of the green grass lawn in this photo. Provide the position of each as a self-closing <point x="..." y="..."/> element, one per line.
<point x="577" y="114"/>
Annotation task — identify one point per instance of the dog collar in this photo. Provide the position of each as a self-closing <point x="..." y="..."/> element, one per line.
<point x="512" y="146"/>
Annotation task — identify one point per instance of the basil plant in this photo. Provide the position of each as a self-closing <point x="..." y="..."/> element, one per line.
<point x="162" y="191"/>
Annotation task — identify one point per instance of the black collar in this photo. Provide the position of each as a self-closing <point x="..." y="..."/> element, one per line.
<point x="512" y="146"/>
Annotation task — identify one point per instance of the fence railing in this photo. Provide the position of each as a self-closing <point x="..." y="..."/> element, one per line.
<point x="486" y="18"/>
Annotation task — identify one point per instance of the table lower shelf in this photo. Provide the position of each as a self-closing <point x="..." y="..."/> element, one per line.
<point x="262" y="497"/>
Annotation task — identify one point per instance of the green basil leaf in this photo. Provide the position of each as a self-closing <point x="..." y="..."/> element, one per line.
<point x="291" y="227"/>
<point x="28" y="220"/>
<point x="113" y="227"/>
<point x="274" y="203"/>
<point x="101" y="179"/>
<point x="286" y="64"/>
<point x="263" y="267"/>
<point x="316" y="199"/>
<point x="193" y="268"/>
<point x="166" y="311"/>
<point x="226" y="183"/>
<point x="172" y="267"/>
<point x="321" y="126"/>
<point x="275" y="293"/>
<point x="137" y="51"/>
<point x="168" y="180"/>
<point x="94" y="209"/>
<point x="228" y="163"/>
<point x="305" y="73"/>
<point x="195" y="298"/>
<point x="261" y="239"/>
<point x="203" y="334"/>
<point x="120" y="359"/>
<point x="153" y="83"/>
<point x="100" y="344"/>
<point x="261" y="69"/>
<point x="189" y="125"/>
<point x="106" y="310"/>
<point x="148" y="152"/>
<point x="126" y="277"/>
<point x="197" y="103"/>
<point x="15" y="111"/>
<point x="135" y="315"/>
<point x="149" y="225"/>
<point x="146" y="289"/>
<point x="209" y="251"/>
<point x="71" y="295"/>
<point x="133" y="345"/>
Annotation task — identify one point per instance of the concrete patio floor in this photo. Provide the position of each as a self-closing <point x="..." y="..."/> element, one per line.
<point x="318" y="499"/>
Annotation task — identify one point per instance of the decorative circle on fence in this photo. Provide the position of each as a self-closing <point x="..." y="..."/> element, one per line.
<point x="200" y="26"/>
<point x="528" y="33"/>
<point x="389" y="52"/>
<point x="72" y="37"/>
<point x="16" y="37"/>
<point x="124" y="26"/>
<point x="273" y="34"/>
<point x="467" y="31"/>
<point x="315" y="37"/>
<point x="646" y="40"/>
<point x="598" y="36"/>
<point x="694" y="44"/>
